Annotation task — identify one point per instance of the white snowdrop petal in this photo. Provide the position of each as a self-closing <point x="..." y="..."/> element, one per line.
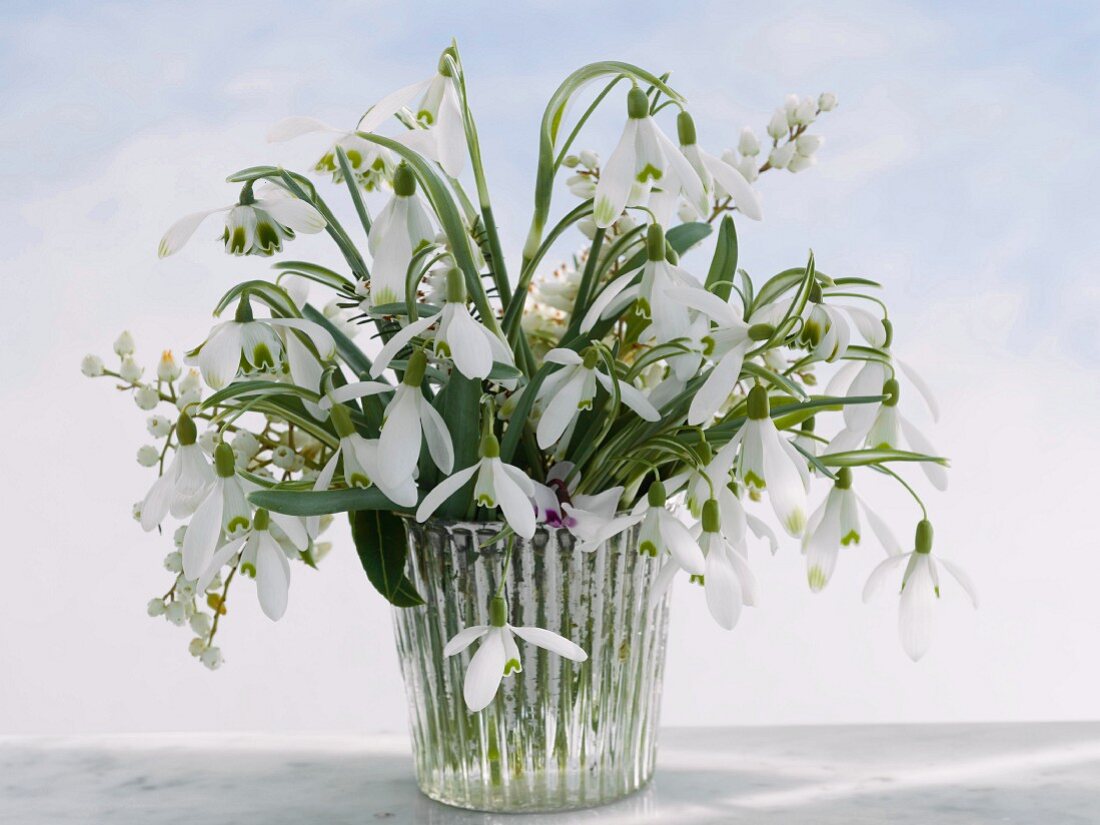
<point x="936" y="473"/>
<point x="155" y="506"/>
<point x="922" y="387"/>
<point x="464" y="638"/>
<point x="683" y="548"/>
<point x="717" y="387"/>
<point x="881" y="573"/>
<point x="293" y="213"/>
<point x="561" y="410"/>
<point x="180" y="232"/>
<point x="470" y="349"/>
<point x="451" y="132"/>
<point x="443" y="491"/>
<point x="220" y="558"/>
<point x="437" y="436"/>
<point x="203" y="533"/>
<point x="385" y="108"/>
<point x="735" y="184"/>
<point x="551" y="641"/>
<point x="616" y="178"/>
<point x="723" y="590"/>
<point x="785" y="487"/>
<point x="292" y="127"/>
<point x="399" y="443"/>
<point x="961" y="577"/>
<point x="915" y="613"/>
<point x="514" y="504"/>
<point x="485" y="671"/>
<point x="272" y="577"/>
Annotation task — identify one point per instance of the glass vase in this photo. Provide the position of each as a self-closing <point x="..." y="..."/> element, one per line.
<point x="559" y="734"/>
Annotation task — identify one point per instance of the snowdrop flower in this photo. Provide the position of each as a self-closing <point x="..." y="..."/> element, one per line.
<point x="262" y="558"/>
<point x="498" y="485"/>
<point x="644" y="158"/>
<point x="439" y="110"/>
<point x="594" y="519"/>
<point x="402" y="227"/>
<point x="184" y="482"/>
<point x="825" y="330"/>
<point x="470" y="345"/>
<point x="253" y="345"/>
<point x="409" y="421"/>
<point x="835" y="524"/>
<point x="548" y="497"/>
<point x="224" y="509"/>
<point x="568" y="391"/>
<point x="920" y="587"/>
<point x="727" y="580"/>
<point x="767" y="460"/>
<point x="714" y="172"/>
<point x="725" y="344"/>
<point x="661" y="532"/>
<point x="498" y="656"/>
<point x="370" y="163"/>
<point x="891" y="430"/>
<point x="361" y="456"/>
<point x="253" y="226"/>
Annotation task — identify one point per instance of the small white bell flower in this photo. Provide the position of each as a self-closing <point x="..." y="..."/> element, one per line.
<point x="129" y="370"/>
<point x="806" y="112"/>
<point x="253" y="226"/>
<point x="223" y="511"/>
<point x="92" y="366"/>
<point x="158" y="426"/>
<point x="777" y="126"/>
<point x="747" y="144"/>
<point x="769" y="461"/>
<point x="146" y="397"/>
<point x="212" y="658"/>
<point x="643" y="159"/>
<point x="124" y="344"/>
<point x="662" y="533"/>
<point x="715" y="173"/>
<point x="401" y="229"/>
<point x="148" y="455"/>
<point x="920" y="587"/>
<point x="780" y="156"/>
<point x="168" y="369"/>
<point x="471" y="346"/>
<point x="498" y="485"/>
<point x="498" y="656"/>
<point x="184" y="482"/>
<point x="439" y="110"/>
<point x="155" y="607"/>
<point x="826" y="102"/>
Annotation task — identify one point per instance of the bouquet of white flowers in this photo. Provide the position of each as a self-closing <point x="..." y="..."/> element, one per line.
<point x="623" y="390"/>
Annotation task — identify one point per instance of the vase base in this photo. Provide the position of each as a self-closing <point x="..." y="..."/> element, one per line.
<point x="528" y="797"/>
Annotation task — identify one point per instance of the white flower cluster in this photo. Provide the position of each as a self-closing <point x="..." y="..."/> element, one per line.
<point x="626" y="389"/>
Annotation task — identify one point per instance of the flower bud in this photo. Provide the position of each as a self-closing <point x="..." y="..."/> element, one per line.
<point x="185" y="588"/>
<point x="155" y="607"/>
<point x="806" y="145"/>
<point x="146" y="397"/>
<point x="167" y="368"/>
<point x="777" y="126"/>
<point x="799" y="163"/>
<point x="685" y="129"/>
<point x="748" y="145"/>
<point x="748" y="169"/>
<point x="790" y="106"/>
<point x="225" y="463"/>
<point x="283" y="457"/>
<point x="208" y="441"/>
<point x="188" y="399"/>
<point x="712" y="521"/>
<point x="158" y="426"/>
<point x="191" y="381"/>
<point x="655" y="242"/>
<point x="173" y="562"/>
<point x="759" y="408"/>
<point x="498" y="611"/>
<point x="924" y="536"/>
<point x="92" y="366"/>
<point x="176" y="613"/>
<point x="196" y="646"/>
<point x="124" y="344"/>
<point x="589" y="159"/>
<point x="201" y="623"/>
<point x="148" y="455"/>
<point x="806" y="112"/>
<point x="637" y="104"/>
<point x="826" y="102"/>
<point x="177" y="538"/>
<point x="404" y="181"/>
<point x="570" y="161"/>
<point x="129" y="371"/>
<point x="212" y="658"/>
<point x="245" y="443"/>
<point x="781" y="155"/>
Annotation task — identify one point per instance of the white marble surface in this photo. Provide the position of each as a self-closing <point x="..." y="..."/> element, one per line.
<point x="1038" y="774"/>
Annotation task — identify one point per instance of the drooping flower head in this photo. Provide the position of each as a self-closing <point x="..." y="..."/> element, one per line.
<point x="402" y="227"/>
<point x="715" y="173"/>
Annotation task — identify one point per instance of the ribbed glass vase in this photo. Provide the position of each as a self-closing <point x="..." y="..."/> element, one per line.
<point x="558" y="734"/>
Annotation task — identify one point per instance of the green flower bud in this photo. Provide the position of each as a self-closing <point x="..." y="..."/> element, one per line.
<point x="761" y="332"/>
<point x="759" y="408"/>
<point x="186" y="431"/>
<point x="637" y="104"/>
<point x="498" y="611"/>
<point x="685" y="129"/>
<point x="224" y="460"/>
<point x="815" y="293"/>
<point x="261" y="520"/>
<point x="844" y="478"/>
<point x="456" y="286"/>
<point x="655" y="242"/>
<point x="672" y="256"/>
<point x="445" y="65"/>
<point x="892" y="390"/>
<point x="414" y="372"/>
<point x="404" y="181"/>
<point x="924" y="536"/>
<point x="712" y="521"/>
<point x="341" y="420"/>
<point x="591" y="358"/>
<point x="657" y="494"/>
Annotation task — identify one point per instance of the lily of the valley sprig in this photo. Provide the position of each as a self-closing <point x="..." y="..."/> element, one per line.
<point x="648" y="384"/>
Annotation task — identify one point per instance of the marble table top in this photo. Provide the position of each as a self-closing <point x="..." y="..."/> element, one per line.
<point x="1038" y="774"/>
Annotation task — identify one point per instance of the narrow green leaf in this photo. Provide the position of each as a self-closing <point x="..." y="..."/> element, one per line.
<point x="723" y="266"/>
<point x="304" y="502"/>
<point x="859" y="458"/>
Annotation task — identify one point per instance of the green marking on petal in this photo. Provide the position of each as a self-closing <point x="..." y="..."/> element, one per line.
<point x="486" y="500"/>
<point x="753" y="480"/>
<point x="816" y="578"/>
<point x="697" y="579"/>
<point x="262" y="357"/>
<point x="267" y="237"/>
<point x="512" y="666"/>
<point x="851" y="538"/>
<point x="643" y="309"/>
<point x="647" y="548"/>
<point x="248" y="569"/>
<point x="604" y="211"/>
<point x="355" y="157"/>
<point x="237" y="523"/>
<point x="649" y="172"/>
<point x="795" y="522"/>
<point x="235" y="241"/>
<point x="360" y="480"/>
<point x="708" y="345"/>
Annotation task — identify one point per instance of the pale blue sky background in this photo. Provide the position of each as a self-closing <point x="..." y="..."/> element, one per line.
<point x="960" y="170"/>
